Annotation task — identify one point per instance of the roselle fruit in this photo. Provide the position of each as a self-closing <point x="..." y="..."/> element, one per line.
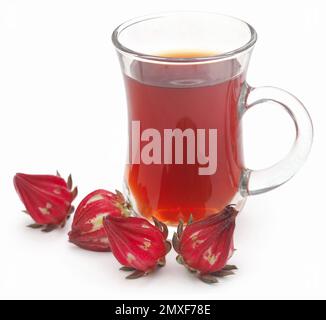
<point x="47" y="199"/>
<point x="137" y="244"/>
<point x="204" y="247"/>
<point x="87" y="228"/>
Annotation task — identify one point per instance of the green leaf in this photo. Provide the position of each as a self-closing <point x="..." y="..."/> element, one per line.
<point x="229" y="268"/>
<point x="49" y="228"/>
<point x="180" y="229"/>
<point x="180" y="260"/>
<point x="209" y="279"/>
<point x="168" y="246"/>
<point x="35" y="226"/>
<point x="162" y="262"/>
<point x="223" y="273"/>
<point x="176" y="242"/>
<point x="74" y="193"/>
<point x="127" y="269"/>
<point x="136" y="275"/>
<point x="70" y="182"/>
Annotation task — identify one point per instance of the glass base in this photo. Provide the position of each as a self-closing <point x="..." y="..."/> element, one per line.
<point x="238" y="201"/>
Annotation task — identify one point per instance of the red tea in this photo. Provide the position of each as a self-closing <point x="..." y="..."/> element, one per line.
<point x="183" y="96"/>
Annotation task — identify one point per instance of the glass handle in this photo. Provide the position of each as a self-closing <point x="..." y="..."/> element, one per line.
<point x="260" y="181"/>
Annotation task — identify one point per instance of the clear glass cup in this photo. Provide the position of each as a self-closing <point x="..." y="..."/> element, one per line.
<point x="185" y="79"/>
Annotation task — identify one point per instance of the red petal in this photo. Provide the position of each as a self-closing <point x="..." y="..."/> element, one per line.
<point x="87" y="228"/>
<point x="45" y="197"/>
<point x="95" y="241"/>
<point x="102" y="197"/>
<point x="135" y="242"/>
<point x="206" y="245"/>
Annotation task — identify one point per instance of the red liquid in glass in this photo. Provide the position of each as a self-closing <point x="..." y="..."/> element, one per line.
<point x="201" y="96"/>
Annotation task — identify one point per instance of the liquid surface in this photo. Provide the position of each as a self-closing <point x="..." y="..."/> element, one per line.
<point x="173" y="192"/>
<point x="187" y="54"/>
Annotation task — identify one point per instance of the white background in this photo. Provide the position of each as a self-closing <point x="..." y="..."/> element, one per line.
<point x="62" y="106"/>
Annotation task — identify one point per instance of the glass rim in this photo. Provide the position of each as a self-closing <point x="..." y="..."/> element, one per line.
<point x="141" y="55"/>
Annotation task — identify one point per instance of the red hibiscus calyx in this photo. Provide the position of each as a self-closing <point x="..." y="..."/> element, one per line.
<point x="87" y="228"/>
<point x="47" y="199"/>
<point x="205" y="246"/>
<point x="137" y="244"/>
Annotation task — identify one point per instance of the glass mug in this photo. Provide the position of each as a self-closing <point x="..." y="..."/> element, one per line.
<point x="185" y="79"/>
